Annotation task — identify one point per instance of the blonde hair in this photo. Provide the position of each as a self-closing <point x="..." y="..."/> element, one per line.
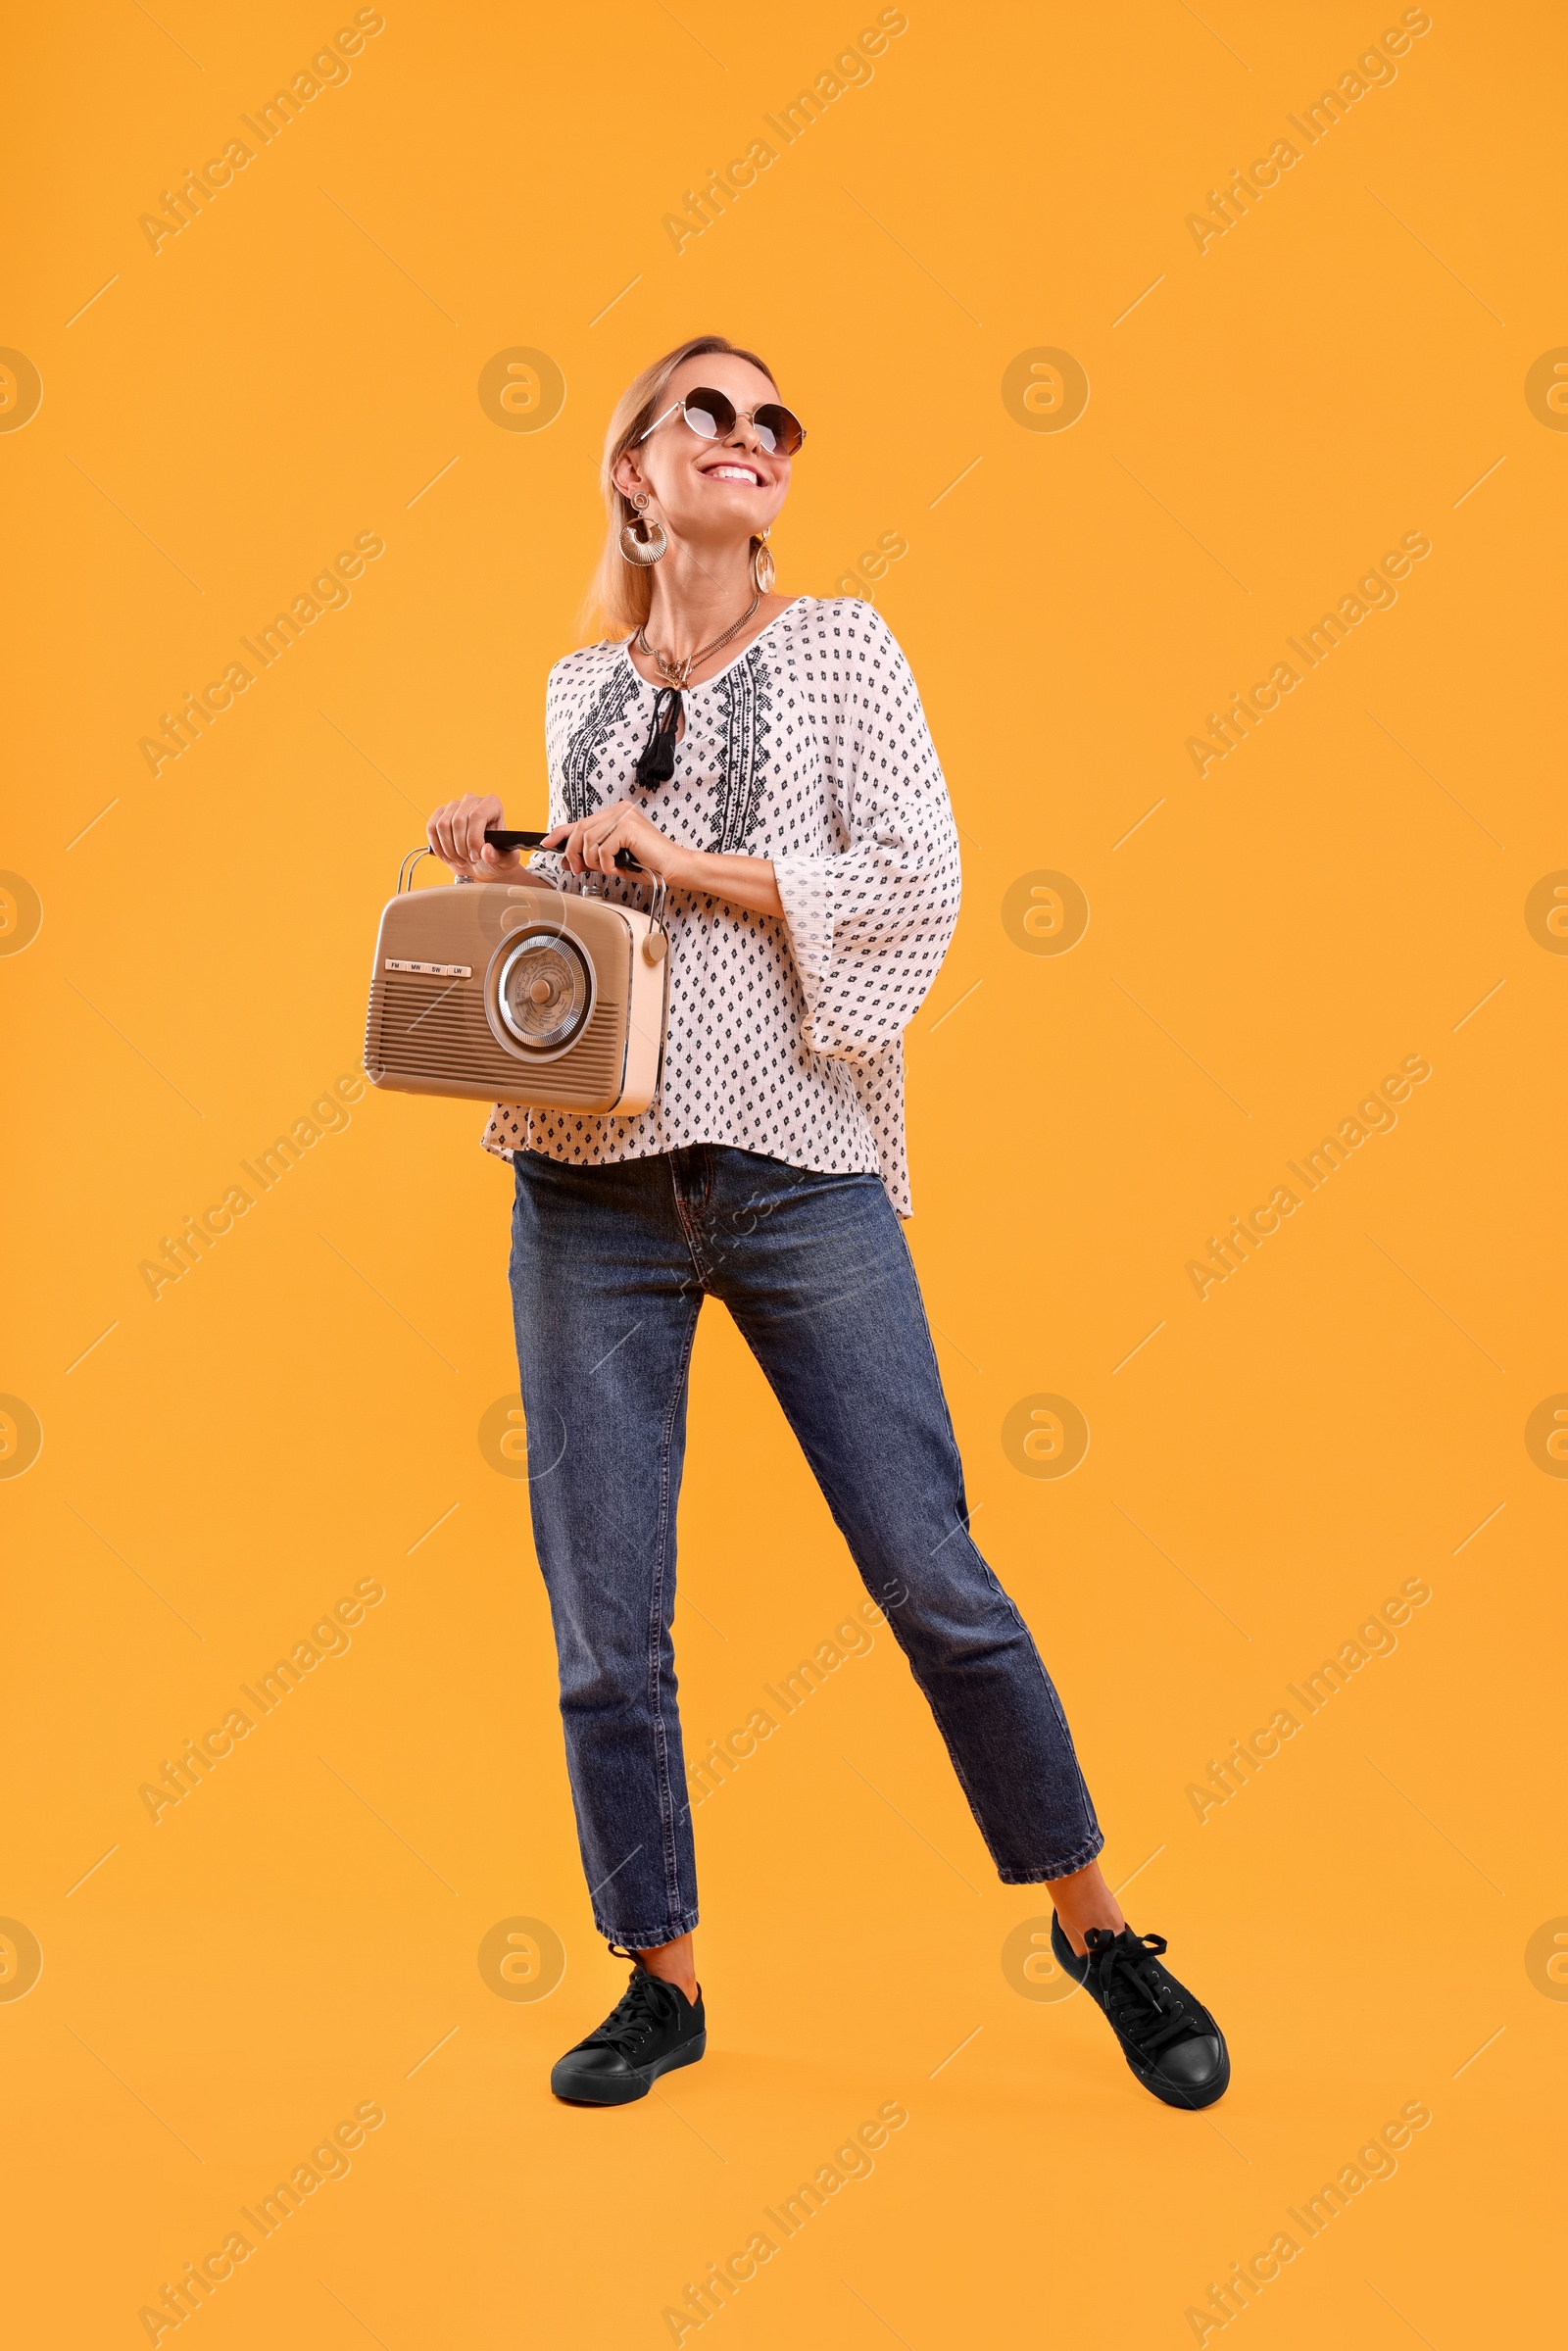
<point x="621" y="594"/>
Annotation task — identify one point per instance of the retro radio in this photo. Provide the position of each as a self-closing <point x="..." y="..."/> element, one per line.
<point x="515" y="990"/>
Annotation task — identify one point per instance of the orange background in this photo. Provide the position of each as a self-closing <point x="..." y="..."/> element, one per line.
<point x="300" y="1413"/>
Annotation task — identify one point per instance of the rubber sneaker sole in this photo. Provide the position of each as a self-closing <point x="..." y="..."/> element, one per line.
<point x="622" y="2089"/>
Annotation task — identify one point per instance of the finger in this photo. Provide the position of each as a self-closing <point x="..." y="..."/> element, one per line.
<point x="491" y="814"/>
<point x="599" y="833"/>
<point x="637" y="837"/>
<point x="441" y="833"/>
<point x="620" y="826"/>
<point x="455" y="850"/>
<point x="472" y="834"/>
<point x="498" y="860"/>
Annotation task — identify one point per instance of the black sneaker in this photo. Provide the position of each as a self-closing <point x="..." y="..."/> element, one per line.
<point x="1173" y="2044"/>
<point x="651" y="2030"/>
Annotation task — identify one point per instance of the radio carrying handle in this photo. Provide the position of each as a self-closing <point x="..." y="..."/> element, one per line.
<point x="499" y="838"/>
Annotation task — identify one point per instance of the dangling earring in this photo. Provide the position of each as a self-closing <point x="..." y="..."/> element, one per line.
<point x="639" y="544"/>
<point x="763" y="570"/>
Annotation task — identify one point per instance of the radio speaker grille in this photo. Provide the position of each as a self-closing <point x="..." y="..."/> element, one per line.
<point x="424" y="1027"/>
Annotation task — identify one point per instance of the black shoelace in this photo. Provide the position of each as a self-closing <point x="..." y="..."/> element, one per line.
<point x="646" y="2004"/>
<point x="1141" y="2002"/>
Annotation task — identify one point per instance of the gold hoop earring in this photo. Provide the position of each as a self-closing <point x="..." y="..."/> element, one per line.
<point x="763" y="569"/>
<point x="638" y="544"/>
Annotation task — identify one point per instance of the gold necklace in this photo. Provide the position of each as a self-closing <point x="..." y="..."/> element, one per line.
<point x="676" y="674"/>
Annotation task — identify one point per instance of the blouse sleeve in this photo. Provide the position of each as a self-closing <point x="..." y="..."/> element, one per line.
<point x="870" y="923"/>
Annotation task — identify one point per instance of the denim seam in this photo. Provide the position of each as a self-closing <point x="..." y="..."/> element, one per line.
<point x="687" y="1222"/>
<point x="647" y="1938"/>
<point x="908" y="1656"/>
<point x="1052" y="1870"/>
<point x="954" y="1760"/>
<point x="666" y="1807"/>
<point x="1091" y="1827"/>
<point x="1091" y="1824"/>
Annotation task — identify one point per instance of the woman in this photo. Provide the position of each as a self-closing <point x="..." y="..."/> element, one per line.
<point x="767" y="757"/>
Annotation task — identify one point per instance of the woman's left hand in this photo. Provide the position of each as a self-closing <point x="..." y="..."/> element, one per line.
<point x="589" y="845"/>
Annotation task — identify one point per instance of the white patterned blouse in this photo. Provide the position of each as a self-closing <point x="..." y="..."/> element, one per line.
<point x="785" y="1037"/>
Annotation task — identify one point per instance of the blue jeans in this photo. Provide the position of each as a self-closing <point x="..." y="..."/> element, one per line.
<point x="610" y="1267"/>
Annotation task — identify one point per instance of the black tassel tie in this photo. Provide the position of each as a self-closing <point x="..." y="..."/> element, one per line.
<point x="656" y="764"/>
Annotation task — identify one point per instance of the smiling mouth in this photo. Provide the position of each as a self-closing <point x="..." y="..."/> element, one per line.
<point x="746" y="473"/>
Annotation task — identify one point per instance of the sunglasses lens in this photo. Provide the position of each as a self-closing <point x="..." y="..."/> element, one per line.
<point x="778" y="429"/>
<point x="709" y="414"/>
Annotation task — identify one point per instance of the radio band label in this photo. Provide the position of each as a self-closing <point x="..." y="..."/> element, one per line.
<point x="438" y="971"/>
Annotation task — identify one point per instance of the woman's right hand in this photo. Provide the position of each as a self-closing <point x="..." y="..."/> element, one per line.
<point x="456" y="834"/>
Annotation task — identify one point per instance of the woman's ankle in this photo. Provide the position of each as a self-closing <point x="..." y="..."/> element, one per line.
<point x="675" y="1963"/>
<point x="1082" y="1901"/>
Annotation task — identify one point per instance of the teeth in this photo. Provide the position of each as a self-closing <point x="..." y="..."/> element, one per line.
<point x="734" y="474"/>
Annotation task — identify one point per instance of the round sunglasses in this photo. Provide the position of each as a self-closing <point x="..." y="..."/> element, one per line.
<point x="712" y="417"/>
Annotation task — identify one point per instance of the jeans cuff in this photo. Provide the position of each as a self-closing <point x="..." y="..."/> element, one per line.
<point x="1080" y="1860"/>
<point x="648" y="1938"/>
